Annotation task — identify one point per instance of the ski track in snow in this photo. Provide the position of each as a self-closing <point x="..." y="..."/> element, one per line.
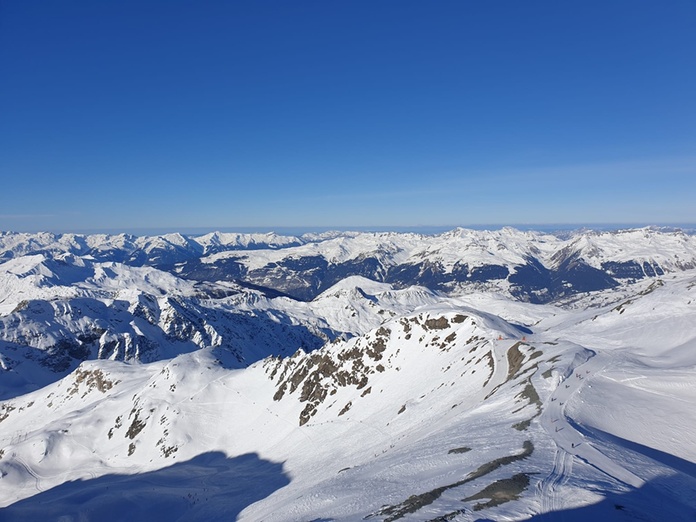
<point x="548" y="488"/>
<point x="29" y="471"/>
<point x="570" y="443"/>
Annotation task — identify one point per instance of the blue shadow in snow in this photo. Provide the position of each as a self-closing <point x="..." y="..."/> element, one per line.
<point x="656" y="501"/>
<point x="667" y="459"/>
<point x="208" y="487"/>
<point x="666" y="497"/>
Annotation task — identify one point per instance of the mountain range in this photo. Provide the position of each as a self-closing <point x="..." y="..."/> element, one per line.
<point x="469" y="375"/>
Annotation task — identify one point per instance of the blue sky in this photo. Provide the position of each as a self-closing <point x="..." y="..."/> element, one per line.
<point x="177" y="115"/>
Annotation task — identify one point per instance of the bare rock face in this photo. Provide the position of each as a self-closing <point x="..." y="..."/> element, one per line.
<point x="318" y="375"/>
<point x="314" y="377"/>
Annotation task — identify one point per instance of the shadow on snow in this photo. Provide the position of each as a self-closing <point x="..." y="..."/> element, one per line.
<point x="664" y="458"/>
<point x="656" y="501"/>
<point x="208" y="487"/>
<point x="669" y="496"/>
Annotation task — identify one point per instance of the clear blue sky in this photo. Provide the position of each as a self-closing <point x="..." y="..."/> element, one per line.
<point x="172" y="115"/>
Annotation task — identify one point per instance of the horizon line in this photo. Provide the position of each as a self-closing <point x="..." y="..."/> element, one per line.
<point x="300" y="230"/>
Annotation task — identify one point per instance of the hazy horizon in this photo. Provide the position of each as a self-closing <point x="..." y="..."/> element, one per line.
<point x="421" y="229"/>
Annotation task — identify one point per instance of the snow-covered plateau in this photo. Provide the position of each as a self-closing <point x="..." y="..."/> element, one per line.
<point x="472" y="375"/>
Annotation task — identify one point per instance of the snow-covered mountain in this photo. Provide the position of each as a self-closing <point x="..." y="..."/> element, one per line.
<point x="530" y="266"/>
<point x="472" y="375"/>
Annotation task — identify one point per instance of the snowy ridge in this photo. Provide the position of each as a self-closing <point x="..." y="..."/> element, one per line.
<point x="675" y="249"/>
<point x="479" y="247"/>
<point x="666" y="251"/>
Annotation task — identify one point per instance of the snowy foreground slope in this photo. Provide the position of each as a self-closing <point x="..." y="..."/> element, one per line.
<point x="138" y="392"/>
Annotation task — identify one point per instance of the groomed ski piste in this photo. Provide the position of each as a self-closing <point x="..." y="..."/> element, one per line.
<point x="426" y="407"/>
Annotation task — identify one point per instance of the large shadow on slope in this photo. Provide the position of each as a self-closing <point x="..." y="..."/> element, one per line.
<point x="247" y="338"/>
<point x="667" y="459"/>
<point x="660" y="500"/>
<point x="207" y="487"/>
<point x="671" y="496"/>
